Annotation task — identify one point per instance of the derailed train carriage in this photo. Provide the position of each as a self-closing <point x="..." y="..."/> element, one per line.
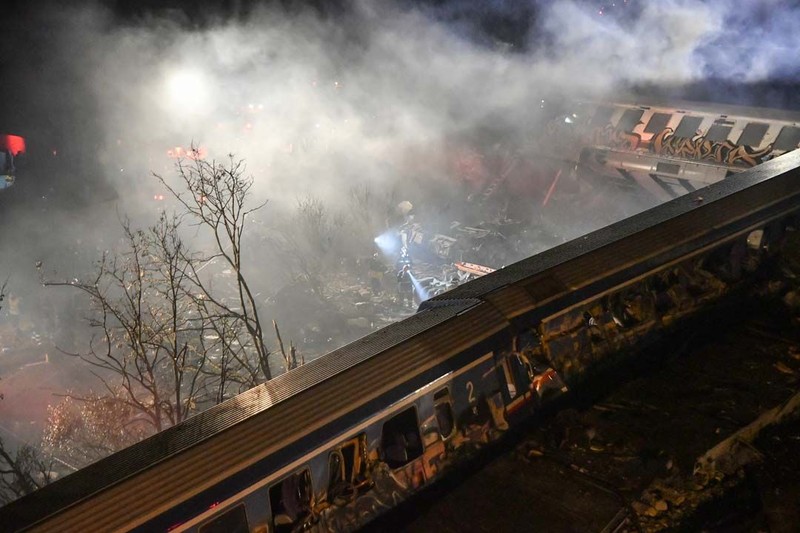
<point x="664" y="150"/>
<point x="330" y="445"/>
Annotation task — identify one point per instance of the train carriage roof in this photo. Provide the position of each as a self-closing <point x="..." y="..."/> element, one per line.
<point x="159" y="447"/>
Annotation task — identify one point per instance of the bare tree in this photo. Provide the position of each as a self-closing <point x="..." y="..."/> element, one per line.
<point x="22" y="472"/>
<point x="166" y="344"/>
<point x="81" y="431"/>
<point x="216" y="196"/>
<point x="309" y="239"/>
<point x="148" y="353"/>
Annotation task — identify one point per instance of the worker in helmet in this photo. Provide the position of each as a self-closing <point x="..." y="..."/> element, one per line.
<point x="404" y="259"/>
<point x="405" y="287"/>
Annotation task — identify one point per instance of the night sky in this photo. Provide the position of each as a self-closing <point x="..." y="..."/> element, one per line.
<point x="46" y="95"/>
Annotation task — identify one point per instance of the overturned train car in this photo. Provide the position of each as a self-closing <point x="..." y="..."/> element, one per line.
<point x="331" y="444"/>
<point x="668" y="149"/>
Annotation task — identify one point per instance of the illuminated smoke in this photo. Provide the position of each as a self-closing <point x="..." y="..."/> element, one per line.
<point x="389" y="243"/>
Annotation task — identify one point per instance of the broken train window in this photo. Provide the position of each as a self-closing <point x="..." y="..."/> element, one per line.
<point x="290" y="500"/>
<point x="625" y="307"/>
<point x="346" y="468"/>
<point x="401" y="442"/>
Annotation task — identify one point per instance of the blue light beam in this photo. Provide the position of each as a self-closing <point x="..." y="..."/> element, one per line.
<point x="388" y="242"/>
<point x="423" y="294"/>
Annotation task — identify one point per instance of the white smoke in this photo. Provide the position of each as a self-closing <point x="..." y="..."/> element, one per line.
<point x="374" y="93"/>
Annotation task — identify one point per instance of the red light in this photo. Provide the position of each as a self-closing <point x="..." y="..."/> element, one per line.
<point x="13" y="143"/>
<point x="180" y="152"/>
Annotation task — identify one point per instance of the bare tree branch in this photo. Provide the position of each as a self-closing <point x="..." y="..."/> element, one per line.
<point x="216" y="196"/>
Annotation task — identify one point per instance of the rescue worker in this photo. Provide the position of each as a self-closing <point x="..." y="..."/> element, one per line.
<point x="405" y="287"/>
<point x="404" y="259"/>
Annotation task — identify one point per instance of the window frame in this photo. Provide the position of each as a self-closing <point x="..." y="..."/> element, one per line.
<point x="633" y="115"/>
<point x="717" y="128"/>
<point x="657" y="116"/>
<point x="748" y="131"/>
<point x="788" y="129"/>
<point x="306" y="469"/>
<point x="418" y="433"/>
<point x="698" y="121"/>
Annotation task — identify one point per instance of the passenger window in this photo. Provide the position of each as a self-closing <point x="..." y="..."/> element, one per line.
<point x="335" y="469"/>
<point x="348" y="452"/>
<point x="752" y="134"/>
<point x="291" y="501"/>
<point x="602" y="116"/>
<point x="624" y="309"/>
<point x="657" y="122"/>
<point x="668" y="168"/>
<point x="231" y="521"/>
<point x="629" y="120"/>
<point x="687" y="129"/>
<point x="346" y="468"/>
<point x="401" y="442"/>
<point x="788" y="138"/>
<point x="718" y="133"/>
<point x="444" y="412"/>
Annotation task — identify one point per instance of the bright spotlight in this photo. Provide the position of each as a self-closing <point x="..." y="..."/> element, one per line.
<point x="388" y="242"/>
<point x="188" y="91"/>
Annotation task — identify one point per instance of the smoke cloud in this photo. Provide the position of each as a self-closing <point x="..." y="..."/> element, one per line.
<point x="319" y="101"/>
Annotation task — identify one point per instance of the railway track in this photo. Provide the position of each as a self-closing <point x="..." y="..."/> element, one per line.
<point x="622" y="456"/>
